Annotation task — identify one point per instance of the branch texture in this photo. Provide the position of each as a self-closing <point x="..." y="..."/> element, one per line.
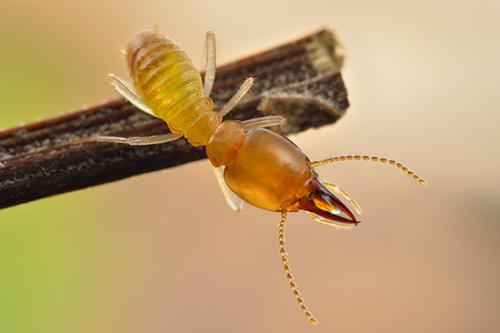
<point x="300" y="80"/>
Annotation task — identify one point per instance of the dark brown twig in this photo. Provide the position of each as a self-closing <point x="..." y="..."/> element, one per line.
<point x="300" y="80"/>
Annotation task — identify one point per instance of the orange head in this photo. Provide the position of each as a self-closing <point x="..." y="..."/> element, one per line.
<point x="268" y="171"/>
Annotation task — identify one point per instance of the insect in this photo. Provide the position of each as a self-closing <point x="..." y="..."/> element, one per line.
<point x="251" y="163"/>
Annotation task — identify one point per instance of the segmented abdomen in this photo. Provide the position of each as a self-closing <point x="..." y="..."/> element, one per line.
<point x="166" y="79"/>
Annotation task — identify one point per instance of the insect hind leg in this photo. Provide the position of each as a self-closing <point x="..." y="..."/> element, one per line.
<point x="136" y="140"/>
<point x="129" y="94"/>
<point x="209" y="66"/>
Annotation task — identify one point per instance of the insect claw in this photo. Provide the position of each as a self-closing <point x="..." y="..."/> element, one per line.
<point x="326" y="206"/>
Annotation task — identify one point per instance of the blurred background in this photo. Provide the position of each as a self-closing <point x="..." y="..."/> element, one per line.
<point x="162" y="252"/>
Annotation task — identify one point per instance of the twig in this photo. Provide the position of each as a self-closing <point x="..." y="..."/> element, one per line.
<point x="300" y="80"/>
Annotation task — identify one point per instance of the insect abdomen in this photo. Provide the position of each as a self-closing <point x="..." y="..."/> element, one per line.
<point x="167" y="80"/>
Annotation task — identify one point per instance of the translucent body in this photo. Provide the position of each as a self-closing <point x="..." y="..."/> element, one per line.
<point x="259" y="166"/>
<point x="269" y="172"/>
<point x="170" y="85"/>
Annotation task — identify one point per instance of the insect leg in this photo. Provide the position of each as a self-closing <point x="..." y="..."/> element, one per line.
<point x="289" y="276"/>
<point x="384" y="160"/>
<point x="267" y="121"/>
<point x="129" y="94"/>
<point x="232" y="199"/>
<point x="245" y="87"/>
<point x="210" y="67"/>
<point x="137" y="140"/>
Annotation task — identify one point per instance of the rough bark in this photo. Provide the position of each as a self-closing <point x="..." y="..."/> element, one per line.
<point x="300" y="80"/>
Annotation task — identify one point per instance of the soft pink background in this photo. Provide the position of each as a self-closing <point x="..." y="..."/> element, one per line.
<point x="163" y="253"/>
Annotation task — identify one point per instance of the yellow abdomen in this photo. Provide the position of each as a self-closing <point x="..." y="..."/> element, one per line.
<point x="170" y="85"/>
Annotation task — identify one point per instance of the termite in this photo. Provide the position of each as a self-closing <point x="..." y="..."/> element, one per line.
<point x="251" y="163"/>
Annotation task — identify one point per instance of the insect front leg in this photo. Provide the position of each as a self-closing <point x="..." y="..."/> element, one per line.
<point x="267" y="121"/>
<point x="232" y="199"/>
<point x="129" y="94"/>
